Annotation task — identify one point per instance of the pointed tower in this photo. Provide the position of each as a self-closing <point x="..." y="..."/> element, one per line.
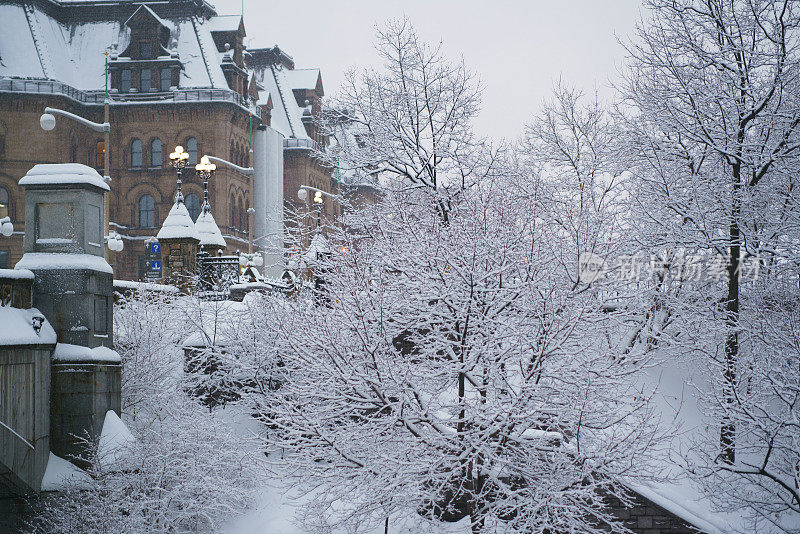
<point x="178" y="237"/>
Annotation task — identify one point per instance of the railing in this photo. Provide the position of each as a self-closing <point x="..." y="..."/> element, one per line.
<point x="217" y="274"/>
<point x="22" y="85"/>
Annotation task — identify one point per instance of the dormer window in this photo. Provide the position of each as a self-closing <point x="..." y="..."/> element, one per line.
<point x="145" y="50"/>
<point x="144" y="85"/>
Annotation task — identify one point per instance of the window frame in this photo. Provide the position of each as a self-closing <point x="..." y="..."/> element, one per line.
<point x="125" y="82"/>
<point x="7" y="205"/>
<point x="134" y="165"/>
<point x="159" y="162"/>
<point x="149" y="80"/>
<point x="149" y="211"/>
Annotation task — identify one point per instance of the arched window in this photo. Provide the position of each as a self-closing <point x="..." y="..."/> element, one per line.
<point x="192" y="202"/>
<point x="191" y="149"/>
<point x="136" y="153"/>
<point x="147" y="212"/>
<point x="233" y="151"/>
<point x="232" y="210"/>
<point x="5" y="203"/>
<point x="246" y="216"/>
<point x="240" y="211"/>
<point x="155" y="152"/>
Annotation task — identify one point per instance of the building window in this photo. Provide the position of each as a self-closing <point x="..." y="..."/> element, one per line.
<point x="144" y="85"/>
<point x="136" y="153"/>
<point x="145" y="50"/>
<point x="191" y="149"/>
<point x="192" y="202"/>
<point x="232" y="210"/>
<point x="147" y="212"/>
<point x="4" y="255"/>
<point x="5" y="203"/>
<point x="166" y="79"/>
<point x="155" y="153"/>
<point x="100" y="155"/>
<point x="125" y="81"/>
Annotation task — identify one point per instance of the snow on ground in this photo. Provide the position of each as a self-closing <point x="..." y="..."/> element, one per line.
<point x="61" y="474"/>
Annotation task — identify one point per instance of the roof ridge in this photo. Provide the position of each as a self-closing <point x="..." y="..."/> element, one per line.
<point x="283" y="99"/>
<point x="38" y="42"/>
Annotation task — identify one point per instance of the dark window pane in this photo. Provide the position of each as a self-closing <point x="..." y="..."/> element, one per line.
<point x="5" y="203"/>
<point x="192" y="202"/>
<point x="145" y="80"/>
<point x="166" y="79"/>
<point x="4" y="254"/>
<point x="155" y="153"/>
<point x="125" y="81"/>
<point x="136" y="153"/>
<point x="191" y="149"/>
<point x="147" y="212"/>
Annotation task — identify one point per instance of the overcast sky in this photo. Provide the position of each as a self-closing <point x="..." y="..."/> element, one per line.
<point x="519" y="48"/>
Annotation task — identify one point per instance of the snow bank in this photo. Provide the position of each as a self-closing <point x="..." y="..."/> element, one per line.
<point x="115" y="440"/>
<point x="61" y="475"/>
<point x="63" y="173"/>
<point x="16" y="328"/>
<point x="76" y="353"/>
<point x="49" y="261"/>
<point x="144" y="286"/>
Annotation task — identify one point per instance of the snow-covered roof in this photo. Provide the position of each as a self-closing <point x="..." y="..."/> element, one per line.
<point x="303" y="78"/>
<point x="16" y="328"/>
<point x="225" y="23"/>
<point x="63" y="173"/>
<point x="178" y="224"/>
<point x="51" y="261"/>
<point x="208" y="230"/>
<point x="66" y="352"/>
<point x="287" y="116"/>
<point x="16" y="274"/>
<point x="35" y="45"/>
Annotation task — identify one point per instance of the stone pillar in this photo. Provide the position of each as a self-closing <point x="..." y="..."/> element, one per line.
<point x="73" y="289"/>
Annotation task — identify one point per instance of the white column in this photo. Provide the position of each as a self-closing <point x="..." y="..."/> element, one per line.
<point x="268" y="198"/>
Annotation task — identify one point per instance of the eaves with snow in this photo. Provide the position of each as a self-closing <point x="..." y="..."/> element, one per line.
<point x="178" y="224"/>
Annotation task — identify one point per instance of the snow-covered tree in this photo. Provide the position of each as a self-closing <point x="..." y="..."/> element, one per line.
<point x="410" y="120"/>
<point x="711" y="105"/>
<point x="456" y="371"/>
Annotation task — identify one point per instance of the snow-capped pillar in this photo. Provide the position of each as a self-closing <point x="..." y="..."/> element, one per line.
<point x="268" y="198"/>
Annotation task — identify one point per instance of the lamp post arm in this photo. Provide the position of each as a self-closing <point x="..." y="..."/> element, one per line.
<point x="97" y="127"/>
<point x="337" y="198"/>
<point x="243" y="170"/>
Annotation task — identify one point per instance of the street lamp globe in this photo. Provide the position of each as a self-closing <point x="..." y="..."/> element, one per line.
<point x="302" y="194"/>
<point x="6" y="228"/>
<point x="47" y="121"/>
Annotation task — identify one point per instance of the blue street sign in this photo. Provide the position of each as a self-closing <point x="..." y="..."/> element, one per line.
<point x="155" y="265"/>
<point x="155" y="248"/>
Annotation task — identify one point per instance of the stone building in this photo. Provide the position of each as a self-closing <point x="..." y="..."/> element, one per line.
<point x="178" y="74"/>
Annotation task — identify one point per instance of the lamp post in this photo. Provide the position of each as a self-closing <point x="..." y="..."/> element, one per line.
<point x="205" y="169"/>
<point x="178" y="160"/>
<point x="302" y="194"/>
<point x="48" y="121"/>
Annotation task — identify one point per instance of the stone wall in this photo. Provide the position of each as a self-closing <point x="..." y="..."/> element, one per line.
<point x="81" y="395"/>
<point x="646" y="517"/>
